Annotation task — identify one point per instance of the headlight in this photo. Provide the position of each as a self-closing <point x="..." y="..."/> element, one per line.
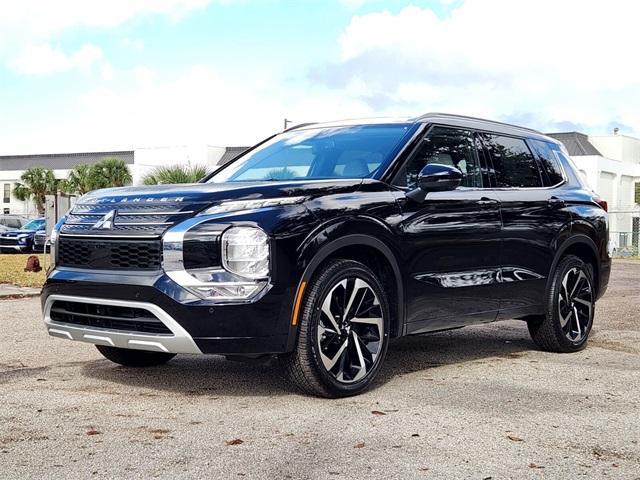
<point x="22" y="238"/>
<point x="218" y="263"/>
<point x="245" y="252"/>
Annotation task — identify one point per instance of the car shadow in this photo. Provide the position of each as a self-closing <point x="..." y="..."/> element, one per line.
<point x="215" y="376"/>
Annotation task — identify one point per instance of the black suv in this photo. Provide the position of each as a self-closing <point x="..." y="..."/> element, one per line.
<point x="324" y="242"/>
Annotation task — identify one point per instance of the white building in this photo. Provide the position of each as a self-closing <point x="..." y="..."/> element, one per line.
<point x="140" y="161"/>
<point x="611" y="166"/>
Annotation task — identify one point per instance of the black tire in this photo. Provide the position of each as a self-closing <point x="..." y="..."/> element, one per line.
<point x="304" y="366"/>
<point x="134" y="358"/>
<point x="547" y="331"/>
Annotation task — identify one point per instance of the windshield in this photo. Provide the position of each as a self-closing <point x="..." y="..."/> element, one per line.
<point x="318" y="153"/>
<point x="33" y="225"/>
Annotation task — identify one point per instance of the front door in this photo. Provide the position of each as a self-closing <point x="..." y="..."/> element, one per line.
<point x="451" y="241"/>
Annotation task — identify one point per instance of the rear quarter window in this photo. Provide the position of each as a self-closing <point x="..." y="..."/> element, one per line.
<point x="549" y="162"/>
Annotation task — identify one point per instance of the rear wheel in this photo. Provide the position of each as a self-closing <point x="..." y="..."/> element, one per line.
<point x="134" y="358"/>
<point x="570" y="309"/>
<point x="343" y="332"/>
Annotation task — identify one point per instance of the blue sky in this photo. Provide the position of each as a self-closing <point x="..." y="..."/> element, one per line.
<point x="78" y="75"/>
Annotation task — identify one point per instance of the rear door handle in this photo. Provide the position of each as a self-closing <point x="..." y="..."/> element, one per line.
<point x="488" y="202"/>
<point x="556" y="202"/>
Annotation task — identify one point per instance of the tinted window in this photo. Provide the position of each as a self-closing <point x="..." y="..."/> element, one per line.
<point x="342" y="152"/>
<point x="446" y="146"/>
<point x="513" y="162"/>
<point x="549" y="162"/>
<point x="34" y="225"/>
<point x="11" y="222"/>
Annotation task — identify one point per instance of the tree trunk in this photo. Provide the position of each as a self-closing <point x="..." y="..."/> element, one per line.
<point x="40" y="204"/>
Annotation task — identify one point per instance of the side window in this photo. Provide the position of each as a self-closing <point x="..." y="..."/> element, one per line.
<point x="513" y="163"/>
<point x="446" y="146"/>
<point x="550" y="165"/>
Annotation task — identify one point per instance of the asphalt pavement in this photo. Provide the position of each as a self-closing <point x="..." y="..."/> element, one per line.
<point x="474" y="403"/>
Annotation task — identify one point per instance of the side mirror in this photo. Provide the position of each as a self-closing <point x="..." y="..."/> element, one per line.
<point x="435" y="177"/>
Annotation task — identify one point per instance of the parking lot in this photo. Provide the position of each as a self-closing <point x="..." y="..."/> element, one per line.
<point x="474" y="403"/>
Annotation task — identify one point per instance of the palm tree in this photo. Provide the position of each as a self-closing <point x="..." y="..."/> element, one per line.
<point x="175" y="174"/>
<point x="109" y="172"/>
<point x="79" y="180"/>
<point x="35" y="183"/>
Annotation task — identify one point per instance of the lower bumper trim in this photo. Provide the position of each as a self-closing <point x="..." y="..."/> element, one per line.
<point x="178" y="342"/>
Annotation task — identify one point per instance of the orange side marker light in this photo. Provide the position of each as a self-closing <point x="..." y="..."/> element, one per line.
<point x="296" y="309"/>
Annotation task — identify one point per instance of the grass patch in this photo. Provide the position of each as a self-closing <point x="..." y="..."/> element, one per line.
<point x="12" y="270"/>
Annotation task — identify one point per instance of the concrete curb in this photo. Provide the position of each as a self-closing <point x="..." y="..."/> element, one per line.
<point x="12" y="292"/>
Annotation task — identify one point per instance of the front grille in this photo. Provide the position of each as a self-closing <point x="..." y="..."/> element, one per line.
<point x="126" y="319"/>
<point x="130" y="219"/>
<point x="39" y="239"/>
<point x="8" y="241"/>
<point x="104" y="254"/>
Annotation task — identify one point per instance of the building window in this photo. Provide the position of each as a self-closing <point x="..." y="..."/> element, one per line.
<point x="7" y="193"/>
<point x="7" y="211"/>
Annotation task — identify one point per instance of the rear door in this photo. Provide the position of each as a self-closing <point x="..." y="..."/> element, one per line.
<point x="534" y="221"/>
<point x="451" y="241"/>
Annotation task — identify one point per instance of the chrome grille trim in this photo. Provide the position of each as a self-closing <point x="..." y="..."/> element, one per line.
<point x="148" y="220"/>
<point x="124" y="213"/>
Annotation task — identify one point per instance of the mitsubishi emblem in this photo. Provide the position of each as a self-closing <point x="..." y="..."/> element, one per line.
<point x="106" y="222"/>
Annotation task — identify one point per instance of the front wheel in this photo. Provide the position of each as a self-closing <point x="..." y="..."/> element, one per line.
<point x="343" y="332"/>
<point x="570" y="309"/>
<point x="134" y="358"/>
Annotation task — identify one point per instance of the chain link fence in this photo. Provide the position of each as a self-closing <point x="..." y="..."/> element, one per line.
<point x="624" y="233"/>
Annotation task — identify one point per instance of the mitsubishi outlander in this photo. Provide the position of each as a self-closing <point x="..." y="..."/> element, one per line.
<point x="324" y="242"/>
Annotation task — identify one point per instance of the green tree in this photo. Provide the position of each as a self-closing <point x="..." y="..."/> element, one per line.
<point x="175" y="174"/>
<point x="78" y="181"/>
<point x="108" y="172"/>
<point x="35" y="183"/>
<point x="284" y="173"/>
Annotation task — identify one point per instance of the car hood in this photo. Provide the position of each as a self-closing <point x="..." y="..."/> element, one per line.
<point x="205" y="194"/>
<point x="15" y="233"/>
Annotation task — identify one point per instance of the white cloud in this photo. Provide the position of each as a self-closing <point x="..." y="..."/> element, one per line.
<point x="558" y="61"/>
<point x="106" y="72"/>
<point x="45" y="59"/>
<point x="136" y="44"/>
<point x="28" y="27"/>
<point x="198" y="106"/>
<point x="35" y="17"/>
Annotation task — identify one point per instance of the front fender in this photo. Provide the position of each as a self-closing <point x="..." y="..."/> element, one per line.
<point x="324" y="241"/>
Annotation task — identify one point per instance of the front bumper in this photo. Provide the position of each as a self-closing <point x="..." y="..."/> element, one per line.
<point x="258" y="328"/>
<point x="14" y="247"/>
<point x="178" y="342"/>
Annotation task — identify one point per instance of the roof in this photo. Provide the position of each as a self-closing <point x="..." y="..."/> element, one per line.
<point x="59" y="161"/>
<point x="577" y="143"/>
<point x="230" y="153"/>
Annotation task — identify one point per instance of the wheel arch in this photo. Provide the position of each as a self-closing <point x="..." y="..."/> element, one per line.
<point x="360" y="247"/>
<point x="583" y="247"/>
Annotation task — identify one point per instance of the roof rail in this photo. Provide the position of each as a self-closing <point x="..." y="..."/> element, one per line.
<point x="300" y="125"/>
<point x="467" y="117"/>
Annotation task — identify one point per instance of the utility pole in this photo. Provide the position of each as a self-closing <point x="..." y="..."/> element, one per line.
<point x="287" y="122"/>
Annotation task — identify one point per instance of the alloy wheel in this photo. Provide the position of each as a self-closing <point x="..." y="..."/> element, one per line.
<point x="575" y="304"/>
<point x="350" y="330"/>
